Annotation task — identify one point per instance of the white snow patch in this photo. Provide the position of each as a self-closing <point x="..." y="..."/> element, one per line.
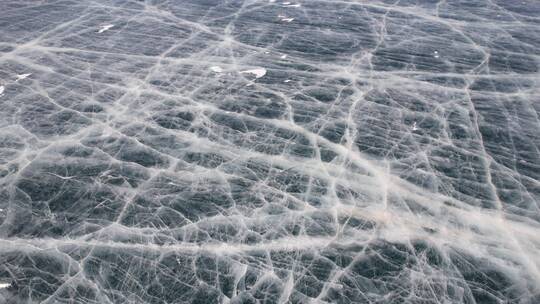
<point x="414" y="127"/>
<point x="4" y="285"/>
<point x="283" y="56"/>
<point x="260" y="72"/>
<point x="2" y="90"/>
<point x="287" y="80"/>
<point x="216" y="69"/>
<point x="291" y="5"/>
<point x="105" y="28"/>
<point x="287" y="19"/>
<point x="22" y="76"/>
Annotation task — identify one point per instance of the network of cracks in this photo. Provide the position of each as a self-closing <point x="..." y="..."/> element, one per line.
<point x="259" y="151"/>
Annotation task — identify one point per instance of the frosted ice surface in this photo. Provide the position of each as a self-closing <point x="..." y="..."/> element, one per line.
<point x="393" y="157"/>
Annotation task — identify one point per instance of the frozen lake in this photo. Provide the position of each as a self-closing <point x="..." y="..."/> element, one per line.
<point x="208" y="151"/>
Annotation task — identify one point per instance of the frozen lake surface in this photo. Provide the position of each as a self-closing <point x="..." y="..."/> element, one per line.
<point x="258" y="151"/>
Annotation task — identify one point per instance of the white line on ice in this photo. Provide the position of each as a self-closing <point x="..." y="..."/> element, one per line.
<point x="105" y="28"/>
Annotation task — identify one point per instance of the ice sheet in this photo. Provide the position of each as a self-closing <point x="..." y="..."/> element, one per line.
<point x="269" y="152"/>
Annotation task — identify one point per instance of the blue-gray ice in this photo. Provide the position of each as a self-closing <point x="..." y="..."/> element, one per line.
<point x="259" y="151"/>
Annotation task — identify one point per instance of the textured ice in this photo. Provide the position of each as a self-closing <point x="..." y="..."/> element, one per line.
<point x="393" y="156"/>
